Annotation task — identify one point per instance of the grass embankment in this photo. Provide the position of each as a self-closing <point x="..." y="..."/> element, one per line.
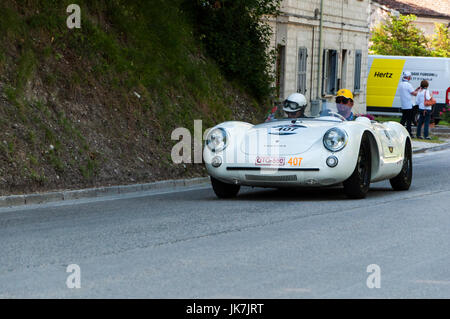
<point x="97" y="105"/>
<point x="434" y="139"/>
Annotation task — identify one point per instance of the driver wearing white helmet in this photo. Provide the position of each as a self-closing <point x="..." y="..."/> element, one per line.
<point x="295" y="105"/>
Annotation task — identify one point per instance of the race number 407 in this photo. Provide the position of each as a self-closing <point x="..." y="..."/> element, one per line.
<point x="295" y="161"/>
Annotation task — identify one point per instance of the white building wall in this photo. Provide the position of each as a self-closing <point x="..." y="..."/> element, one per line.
<point x="427" y="24"/>
<point x="345" y="26"/>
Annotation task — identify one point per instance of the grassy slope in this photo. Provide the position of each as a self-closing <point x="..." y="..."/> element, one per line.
<point x="69" y="115"/>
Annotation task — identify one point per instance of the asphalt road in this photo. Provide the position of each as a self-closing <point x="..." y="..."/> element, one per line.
<point x="263" y="244"/>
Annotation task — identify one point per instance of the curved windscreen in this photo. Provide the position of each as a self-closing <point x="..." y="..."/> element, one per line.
<point x="328" y="111"/>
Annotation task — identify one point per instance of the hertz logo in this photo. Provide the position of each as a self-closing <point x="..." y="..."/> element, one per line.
<point x="386" y="75"/>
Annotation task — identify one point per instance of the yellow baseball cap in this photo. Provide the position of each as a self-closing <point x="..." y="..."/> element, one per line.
<point x="345" y="93"/>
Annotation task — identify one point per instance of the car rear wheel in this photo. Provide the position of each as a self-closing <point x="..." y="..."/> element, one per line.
<point x="224" y="190"/>
<point x="402" y="181"/>
<point x="358" y="184"/>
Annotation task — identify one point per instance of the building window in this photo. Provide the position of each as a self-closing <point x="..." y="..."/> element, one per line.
<point x="302" y="59"/>
<point x="329" y="72"/>
<point x="358" y="59"/>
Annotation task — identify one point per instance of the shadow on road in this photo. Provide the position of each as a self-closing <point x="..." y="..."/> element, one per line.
<point x="335" y="193"/>
<point x="291" y="194"/>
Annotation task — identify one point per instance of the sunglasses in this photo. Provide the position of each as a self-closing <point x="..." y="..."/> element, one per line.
<point x="342" y="100"/>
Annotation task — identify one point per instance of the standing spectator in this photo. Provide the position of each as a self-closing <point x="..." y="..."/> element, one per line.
<point x="424" y="110"/>
<point x="406" y="94"/>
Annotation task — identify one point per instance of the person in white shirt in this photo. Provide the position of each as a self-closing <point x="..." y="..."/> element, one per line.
<point x="406" y="93"/>
<point x="424" y="111"/>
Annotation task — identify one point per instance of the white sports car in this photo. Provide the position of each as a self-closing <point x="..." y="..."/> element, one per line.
<point x="308" y="152"/>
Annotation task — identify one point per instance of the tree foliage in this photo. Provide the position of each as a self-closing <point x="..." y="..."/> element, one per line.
<point x="235" y="35"/>
<point x="440" y="41"/>
<point x="399" y="36"/>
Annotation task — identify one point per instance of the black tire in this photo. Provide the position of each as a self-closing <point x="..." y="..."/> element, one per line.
<point x="224" y="190"/>
<point x="402" y="181"/>
<point x="358" y="184"/>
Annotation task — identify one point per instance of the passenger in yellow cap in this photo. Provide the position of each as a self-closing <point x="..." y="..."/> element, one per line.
<point x="344" y="103"/>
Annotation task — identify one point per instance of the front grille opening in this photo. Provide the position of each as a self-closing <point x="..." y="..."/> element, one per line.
<point x="271" y="178"/>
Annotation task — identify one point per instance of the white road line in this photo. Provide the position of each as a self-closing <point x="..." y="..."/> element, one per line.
<point x="104" y="199"/>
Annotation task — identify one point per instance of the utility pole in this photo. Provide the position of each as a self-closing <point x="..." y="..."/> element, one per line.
<point x="319" y="60"/>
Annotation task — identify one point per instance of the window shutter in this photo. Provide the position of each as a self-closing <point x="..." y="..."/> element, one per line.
<point x="302" y="66"/>
<point x="357" y="81"/>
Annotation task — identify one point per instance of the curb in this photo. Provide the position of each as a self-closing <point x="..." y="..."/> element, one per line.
<point x="434" y="130"/>
<point x="42" y="198"/>
<point x="432" y="148"/>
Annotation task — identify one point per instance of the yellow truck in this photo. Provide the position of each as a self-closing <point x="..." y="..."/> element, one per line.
<point x="384" y="76"/>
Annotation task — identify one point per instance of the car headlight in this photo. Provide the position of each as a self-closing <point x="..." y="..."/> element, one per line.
<point x="335" y="139"/>
<point x="217" y="140"/>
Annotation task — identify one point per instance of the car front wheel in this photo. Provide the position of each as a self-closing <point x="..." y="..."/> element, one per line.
<point x="224" y="190"/>
<point x="358" y="184"/>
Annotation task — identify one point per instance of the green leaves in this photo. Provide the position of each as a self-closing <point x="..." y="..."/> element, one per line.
<point x="440" y="42"/>
<point x="234" y="35"/>
<point x="400" y="36"/>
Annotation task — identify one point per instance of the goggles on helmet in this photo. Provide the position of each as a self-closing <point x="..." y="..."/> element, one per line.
<point x="290" y="106"/>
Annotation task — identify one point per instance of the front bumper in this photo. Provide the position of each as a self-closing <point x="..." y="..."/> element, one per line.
<point x="312" y="171"/>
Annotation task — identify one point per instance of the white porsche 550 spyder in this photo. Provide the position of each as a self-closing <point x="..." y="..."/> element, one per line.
<point x="308" y="152"/>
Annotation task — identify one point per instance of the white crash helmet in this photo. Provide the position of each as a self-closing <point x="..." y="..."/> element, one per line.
<point x="294" y="103"/>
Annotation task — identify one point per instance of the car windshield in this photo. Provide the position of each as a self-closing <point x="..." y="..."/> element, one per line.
<point x="327" y="112"/>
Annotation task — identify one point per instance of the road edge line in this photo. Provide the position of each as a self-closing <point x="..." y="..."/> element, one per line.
<point x="97" y="192"/>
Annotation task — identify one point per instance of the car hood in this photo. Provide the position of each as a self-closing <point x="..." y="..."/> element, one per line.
<point x="285" y="137"/>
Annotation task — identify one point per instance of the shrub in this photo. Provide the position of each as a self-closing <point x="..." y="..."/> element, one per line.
<point x="445" y="114"/>
<point x="234" y="34"/>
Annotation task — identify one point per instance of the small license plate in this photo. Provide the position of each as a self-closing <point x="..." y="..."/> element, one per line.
<point x="270" y="161"/>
